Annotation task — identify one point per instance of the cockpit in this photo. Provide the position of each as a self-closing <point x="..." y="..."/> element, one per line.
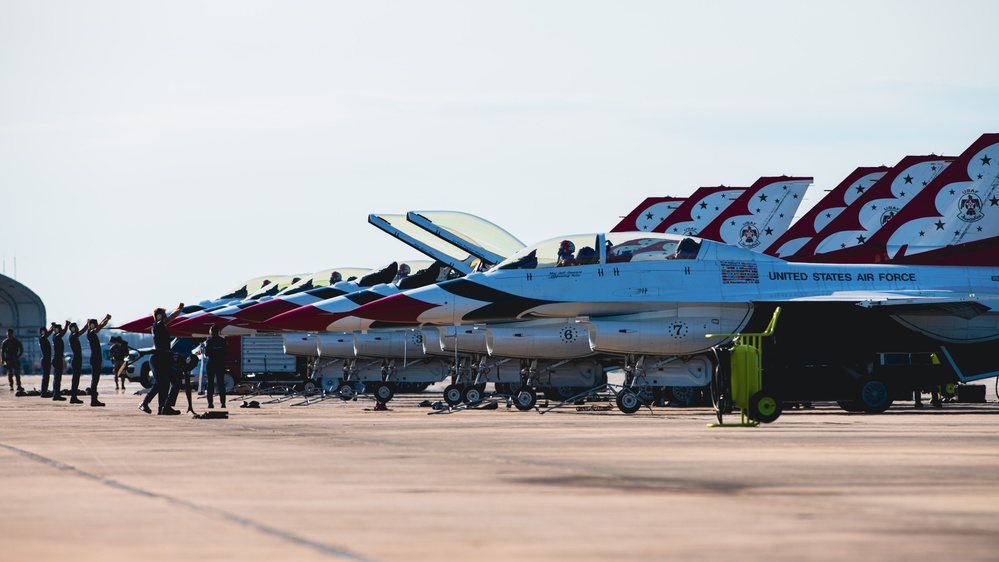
<point x="596" y="249"/>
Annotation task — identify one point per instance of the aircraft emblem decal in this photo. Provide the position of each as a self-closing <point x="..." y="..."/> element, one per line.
<point x="888" y="213"/>
<point x="749" y="235"/>
<point x="970" y="208"/>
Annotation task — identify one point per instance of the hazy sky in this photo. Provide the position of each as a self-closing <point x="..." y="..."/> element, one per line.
<point x="157" y="152"/>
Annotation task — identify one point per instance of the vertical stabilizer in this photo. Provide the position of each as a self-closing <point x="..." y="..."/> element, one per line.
<point x="760" y="215"/>
<point x="957" y="221"/>
<point x="698" y="210"/>
<point x="845" y="239"/>
<point x="825" y="211"/>
<point x="648" y="214"/>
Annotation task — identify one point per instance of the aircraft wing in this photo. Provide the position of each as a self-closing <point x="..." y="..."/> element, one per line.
<point x="961" y="305"/>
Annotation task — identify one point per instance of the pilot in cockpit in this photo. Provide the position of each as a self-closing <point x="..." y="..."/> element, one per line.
<point x="403" y="272"/>
<point x="335" y="278"/>
<point x="587" y="256"/>
<point x="566" y="254"/>
<point x="686" y="249"/>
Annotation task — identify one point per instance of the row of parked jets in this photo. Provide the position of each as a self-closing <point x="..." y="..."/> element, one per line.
<point x="894" y="261"/>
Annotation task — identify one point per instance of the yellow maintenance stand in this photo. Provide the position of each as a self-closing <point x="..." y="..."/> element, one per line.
<point x="755" y="405"/>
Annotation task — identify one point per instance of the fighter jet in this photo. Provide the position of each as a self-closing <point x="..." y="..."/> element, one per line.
<point x="653" y="300"/>
<point x="243" y="317"/>
<point x="235" y="294"/>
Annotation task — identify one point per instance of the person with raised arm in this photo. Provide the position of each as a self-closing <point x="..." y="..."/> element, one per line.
<point x="96" y="359"/>
<point x="167" y="382"/>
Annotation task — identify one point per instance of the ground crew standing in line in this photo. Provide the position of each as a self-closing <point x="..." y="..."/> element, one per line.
<point x="167" y="383"/>
<point x="46" y="346"/>
<point x="58" y="359"/>
<point x="118" y="354"/>
<point x="216" y="350"/>
<point x="96" y="358"/>
<point x="77" y="364"/>
<point x="11" y="351"/>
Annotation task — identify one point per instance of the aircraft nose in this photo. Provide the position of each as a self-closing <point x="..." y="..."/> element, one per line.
<point x="302" y="319"/>
<point x="140" y="325"/>
<point x="399" y="308"/>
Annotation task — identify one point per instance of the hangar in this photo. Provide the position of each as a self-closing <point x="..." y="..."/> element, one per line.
<point x="22" y="310"/>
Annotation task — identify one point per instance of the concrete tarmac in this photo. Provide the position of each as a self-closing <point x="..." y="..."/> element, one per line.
<point x="336" y="481"/>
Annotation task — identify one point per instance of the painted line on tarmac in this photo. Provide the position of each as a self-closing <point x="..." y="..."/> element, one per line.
<point x="331" y="550"/>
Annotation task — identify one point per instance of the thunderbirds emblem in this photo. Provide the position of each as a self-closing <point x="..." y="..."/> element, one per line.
<point x="888" y="213"/>
<point x="970" y="207"/>
<point x="749" y="235"/>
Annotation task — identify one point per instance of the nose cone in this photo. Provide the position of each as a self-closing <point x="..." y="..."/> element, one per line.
<point x="141" y="325"/>
<point x="396" y="309"/>
<point x="303" y="319"/>
<point x="262" y="311"/>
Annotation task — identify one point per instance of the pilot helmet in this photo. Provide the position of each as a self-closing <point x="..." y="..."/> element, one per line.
<point x="566" y="248"/>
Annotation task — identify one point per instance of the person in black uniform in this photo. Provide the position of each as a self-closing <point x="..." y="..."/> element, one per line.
<point x="119" y="354"/>
<point x="96" y="359"/>
<point x="216" y="349"/>
<point x="11" y="351"/>
<point x="77" y="364"/>
<point x="46" y="347"/>
<point x="58" y="359"/>
<point x="167" y="381"/>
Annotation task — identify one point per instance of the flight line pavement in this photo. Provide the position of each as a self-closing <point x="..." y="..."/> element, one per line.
<point x="337" y="481"/>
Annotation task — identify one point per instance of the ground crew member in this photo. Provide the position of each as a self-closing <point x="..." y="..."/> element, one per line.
<point x="216" y="349"/>
<point x="119" y="354"/>
<point x="167" y="382"/>
<point x="58" y="359"/>
<point x="46" y="346"/>
<point x="96" y="359"/>
<point x="77" y="362"/>
<point x="11" y="351"/>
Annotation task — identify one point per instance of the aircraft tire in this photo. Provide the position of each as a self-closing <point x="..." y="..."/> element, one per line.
<point x="472" y="394"/>
<point x="764" y="407"/>
<point x="628" y="402"/>
<point x="383" y="391"/>
<point x="346" y="391"/>
<point x="873" y="396"/>
<point x="309" y="386"/>
<point x="453" y="394"/>
<point x="525" y="398"/>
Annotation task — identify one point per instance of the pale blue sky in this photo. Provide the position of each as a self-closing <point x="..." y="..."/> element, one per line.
<point x="153" y="152"/>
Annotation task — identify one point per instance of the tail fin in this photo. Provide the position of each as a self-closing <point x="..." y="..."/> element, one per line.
<point x="844" y="239"/>
<point x="955" y="220"/>
<point x="828" y="208"/>
<point x="760" y="215"/>
<point x="698" y="210"/>
<point x="648" y="214"/>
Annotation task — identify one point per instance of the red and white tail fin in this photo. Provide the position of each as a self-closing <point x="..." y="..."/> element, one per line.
<point x="648" y="214"/>
<point x="760" y="215"/>
<point x="828" y="208"/>
<point x="844" y="238"/>
<point x="698" y="210"/>
<point x="955" y="220"/>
